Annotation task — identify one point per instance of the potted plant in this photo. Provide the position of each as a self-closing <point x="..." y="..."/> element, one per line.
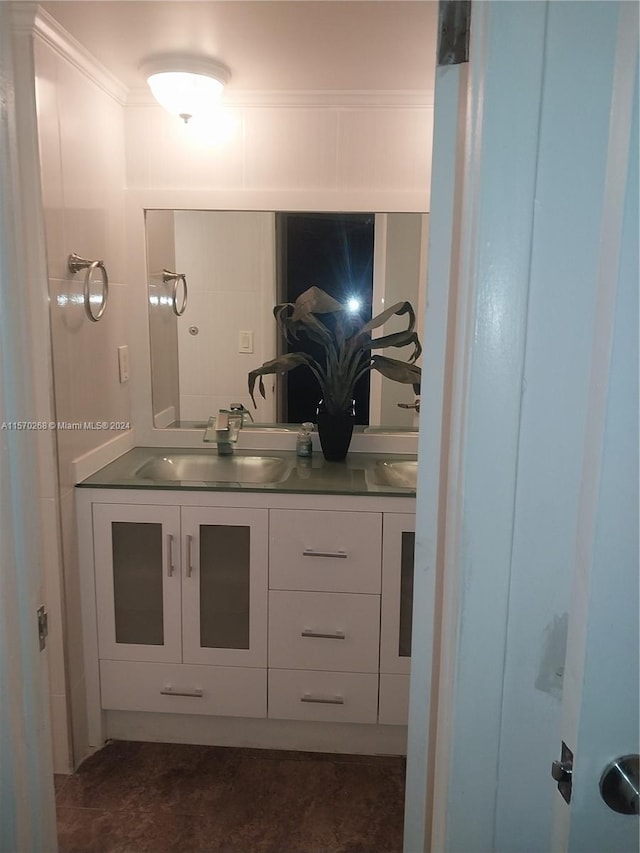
<point x="346" y="343"/>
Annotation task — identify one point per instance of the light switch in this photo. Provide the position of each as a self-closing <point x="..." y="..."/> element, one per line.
<point x="245" y="341"/>
<point x="123" y="363"/>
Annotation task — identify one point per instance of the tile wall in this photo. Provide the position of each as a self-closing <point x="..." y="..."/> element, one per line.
<point x="82" y="172"/>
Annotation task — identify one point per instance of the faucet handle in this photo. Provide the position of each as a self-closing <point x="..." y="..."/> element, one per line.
<point x="222" y="422"/>
<point x="415" y="405"/>
<point x="240" y="410"/>
<point x="210" y="430"/>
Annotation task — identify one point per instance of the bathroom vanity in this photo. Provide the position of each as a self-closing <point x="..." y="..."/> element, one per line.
<point x="266" y="604"/>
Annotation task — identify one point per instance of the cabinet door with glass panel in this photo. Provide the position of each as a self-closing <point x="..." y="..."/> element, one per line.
<point x="224" y="587"/>
<point x="398" y="542"/>
<point x="181" y="584"/>
<point x="138" y="585"/>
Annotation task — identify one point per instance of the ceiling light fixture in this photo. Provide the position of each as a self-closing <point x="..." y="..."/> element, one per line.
<point x="185" y="85"/>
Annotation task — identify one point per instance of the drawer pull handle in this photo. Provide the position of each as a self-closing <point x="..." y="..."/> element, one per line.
<point x="311" y="552"/>
<point x="321" y="635"/>
<point x="189" y="560"/>
<point x="170" y="566"/>
<point x="196" y="693"/>
<point x="322" y="700"/>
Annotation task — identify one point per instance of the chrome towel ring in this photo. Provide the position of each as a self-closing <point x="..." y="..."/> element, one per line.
<point x="176" y="278"/>
<point x="76" y="263"/>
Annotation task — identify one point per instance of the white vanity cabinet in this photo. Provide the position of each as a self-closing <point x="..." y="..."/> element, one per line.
<point x="398" y="543"/>
<point x="187" y="586"/>
<point x="291" y="609"/>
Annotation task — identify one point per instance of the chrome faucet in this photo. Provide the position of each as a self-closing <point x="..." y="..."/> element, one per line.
<point x="223" y="431"/>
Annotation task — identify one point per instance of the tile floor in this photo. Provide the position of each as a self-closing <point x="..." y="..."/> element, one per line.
<point x="174" y="798"/>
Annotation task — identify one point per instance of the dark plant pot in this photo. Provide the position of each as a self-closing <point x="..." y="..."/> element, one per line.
<point x="335" y="433"/>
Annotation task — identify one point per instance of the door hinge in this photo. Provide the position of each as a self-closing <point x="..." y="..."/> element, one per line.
<point x="562" y="772"/>
<point x="454" y="24"/>
<point x="43" y="626"/>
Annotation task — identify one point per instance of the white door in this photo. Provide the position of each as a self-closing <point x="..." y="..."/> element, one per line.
<point x="27" y="806"/>
<point x="600" y="721"/>
<point x="548" y="234"/>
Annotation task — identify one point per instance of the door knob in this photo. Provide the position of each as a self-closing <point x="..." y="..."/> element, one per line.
<point x="619" y="784"/>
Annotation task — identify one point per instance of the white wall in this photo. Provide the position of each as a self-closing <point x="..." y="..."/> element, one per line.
<point x="402" y="282"/>
<point x="331" y="150"/>
<point x="83" y="173"/>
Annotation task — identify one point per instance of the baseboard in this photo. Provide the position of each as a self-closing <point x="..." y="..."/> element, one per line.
<point x="340" y="738"/>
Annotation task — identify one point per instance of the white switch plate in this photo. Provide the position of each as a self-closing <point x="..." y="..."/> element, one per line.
<point x="245" y="341"/>
<point x="123" y="363"/>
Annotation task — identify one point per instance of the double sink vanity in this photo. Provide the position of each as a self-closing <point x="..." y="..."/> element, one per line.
<point x="361" y="473"/>
<point x="255" y="599"/>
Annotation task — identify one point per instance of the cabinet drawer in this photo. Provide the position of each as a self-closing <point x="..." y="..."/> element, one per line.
<point x="394" y="699"/>
<point x="323" y="696"/>
<point x="324" y="630"/>
<point x="220" y="690"/>
<point x="325" y="551"/>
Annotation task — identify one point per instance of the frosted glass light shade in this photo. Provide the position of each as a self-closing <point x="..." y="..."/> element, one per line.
<point x="184" y="86"/>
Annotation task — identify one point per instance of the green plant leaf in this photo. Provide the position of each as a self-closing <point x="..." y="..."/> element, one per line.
<point x="293" y="329"/>
<point x="402" y="338"/>
<point x="281" y="364"/>
<point x="398" y="309"/>
<point x="396" y="339"/>
<point x="315" y="301"/>
<point x="399" y="371"/>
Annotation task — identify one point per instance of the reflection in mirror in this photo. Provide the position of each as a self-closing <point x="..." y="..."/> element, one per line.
<point x="230" y="259"/>
<point x="334" y="252"/>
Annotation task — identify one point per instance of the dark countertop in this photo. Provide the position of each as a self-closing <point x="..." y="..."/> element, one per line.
<point x="359" y="474"/>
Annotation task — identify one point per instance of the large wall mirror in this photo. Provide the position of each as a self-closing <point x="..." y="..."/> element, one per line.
<point x="237" y="265"/>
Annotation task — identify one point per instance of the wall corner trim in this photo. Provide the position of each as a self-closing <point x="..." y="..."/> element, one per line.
<point x="65" y="45"/>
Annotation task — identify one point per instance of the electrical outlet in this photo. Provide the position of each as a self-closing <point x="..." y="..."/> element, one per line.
<point x="123" y="363"/>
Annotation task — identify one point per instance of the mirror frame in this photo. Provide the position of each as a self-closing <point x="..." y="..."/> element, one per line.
<point x="260" y="438"/>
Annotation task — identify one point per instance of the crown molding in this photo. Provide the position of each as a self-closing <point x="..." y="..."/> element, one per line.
<point x="23" y="17"/>
<point x="329" y="99"/>
<point x="65" y="45"/>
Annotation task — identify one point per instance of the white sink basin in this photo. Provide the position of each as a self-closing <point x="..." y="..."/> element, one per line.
<point x="400" y="475"/>
<point x="207" y="468"/>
